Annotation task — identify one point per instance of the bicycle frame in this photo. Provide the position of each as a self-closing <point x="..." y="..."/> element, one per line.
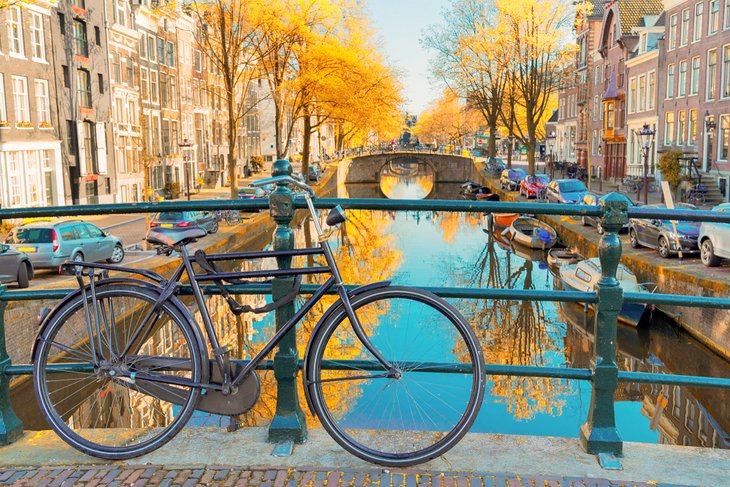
<point x="335" y="279"/>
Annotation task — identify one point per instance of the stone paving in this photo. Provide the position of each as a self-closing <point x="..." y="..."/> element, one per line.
<point x="140" y="475"/>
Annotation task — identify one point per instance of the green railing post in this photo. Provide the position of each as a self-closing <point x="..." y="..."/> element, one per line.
<point x="289" y="423"/>
<point x="11" y="428"/>
<point x="599" y="433"/>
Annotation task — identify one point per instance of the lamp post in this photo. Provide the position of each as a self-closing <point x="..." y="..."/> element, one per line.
<point x="184" y="145"/>
<point x="646" y="135"/>
<point x="551" y="143"/>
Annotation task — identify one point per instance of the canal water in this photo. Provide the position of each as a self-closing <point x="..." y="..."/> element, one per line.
<point x="452" y="249"/>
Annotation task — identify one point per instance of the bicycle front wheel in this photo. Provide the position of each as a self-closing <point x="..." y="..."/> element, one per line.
<point x="121" y="388"/>
<point x="233" y="217"/>
<point x="423" y="409"/>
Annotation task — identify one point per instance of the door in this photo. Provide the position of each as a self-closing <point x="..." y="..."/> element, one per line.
<point x="104" y="245"/>
<point x="85" y="243"/>
<point x="8" y="265"/>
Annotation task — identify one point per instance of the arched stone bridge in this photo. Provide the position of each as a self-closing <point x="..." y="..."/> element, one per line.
<point x="446" y="168"/>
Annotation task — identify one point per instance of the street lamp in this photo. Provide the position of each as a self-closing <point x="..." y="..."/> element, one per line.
<point x="185" y="144"/>
<point x="646" y="135"/>
<point x="551" y="143"/>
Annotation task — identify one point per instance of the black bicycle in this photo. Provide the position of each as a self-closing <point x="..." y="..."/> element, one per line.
<point x="394" y="374"/>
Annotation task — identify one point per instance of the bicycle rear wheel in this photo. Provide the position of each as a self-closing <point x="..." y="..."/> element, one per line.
<point x="421" y="412"/>
<point x="233" y="217"/>
<point x="108" y="403"/>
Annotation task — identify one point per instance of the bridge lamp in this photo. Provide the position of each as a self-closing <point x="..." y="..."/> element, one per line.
<point x="550" y="139"/>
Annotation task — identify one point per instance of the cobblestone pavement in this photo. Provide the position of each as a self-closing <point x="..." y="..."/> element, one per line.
<point x="227" y="476"/>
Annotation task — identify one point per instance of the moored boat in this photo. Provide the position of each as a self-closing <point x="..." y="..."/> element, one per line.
<point x="584" y="275"/>
<point x="532" y="233"/>
<point x="502" y="220"/>
<point x="559" y="257"/>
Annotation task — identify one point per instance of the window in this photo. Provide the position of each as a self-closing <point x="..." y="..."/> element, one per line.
<point x="163" y="91"/>
<point x="610" y="107"/>
<point x="684" y="29"/>
<point x="681" y="125"/>
<point x="62" y="23"/>
<point x="724" y="136"/>
<point x="692" y="137"/>
<point x="670" y="81"/>
<point x="154" y="93"/>
<point x="726" y="71"/>
<point x="632" y="95"/>
<point x="171" y="54"/>
<point x="151" y="48"/>
<point x="143" y="83"/>
<point x="20" y="99"/>
<point x="87" y="146"/>
<point x="672" y="32"/>
<point x="142" y="47"/>
<point x="165" y="136"/>
<point x="697" y="27"/>
<point x="595" y="108"/>
<point x="100" y="79"/>
<point x="130" y="72"/>
<point x="726" y="15"/>
<point x="713" y="23"/>
<point x="15" y="31"/>
<point x="81" y="45"/>
<point x="66" y="77"/>
<point x="641" y="93"/>
<point x="116" y="70"/>
<point x="97" y="35"/>
<point x="79" y="3"/>
<point x="694" y="84"/>
<point x="120" y="12"/>
<point x="711" y="87"/>
<point x="669" y="128"/>
<point x="3" y="107"/>
<point x="83" y="82"/>
<point x="199" y="61"/>
<point x="682" y="81"/>
<point x="37" y="41"/>
<point x="173" y="93"/>
<point x="161" y="50"/>
<point x="651" y="91"/>
<point x="42" y="102"/>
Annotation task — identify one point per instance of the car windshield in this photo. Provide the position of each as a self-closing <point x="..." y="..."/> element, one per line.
<point x="517" y="174"/>
<point x="572" y="186"/>
<point x="170" y="216"/>
<point x="29" y="235"/>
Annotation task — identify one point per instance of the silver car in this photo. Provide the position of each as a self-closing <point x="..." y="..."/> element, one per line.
<point x="15" y="267"/>
<point x="49" y="244"/>
<point x="715" y="239"/>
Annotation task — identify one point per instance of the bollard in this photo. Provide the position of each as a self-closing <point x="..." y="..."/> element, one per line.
<point x="599" y="434"/>
<point x="289" y="423"/>
<point x="11" y="428"/>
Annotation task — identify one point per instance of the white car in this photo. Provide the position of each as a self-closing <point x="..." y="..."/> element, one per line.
<point x="714" y="239"/>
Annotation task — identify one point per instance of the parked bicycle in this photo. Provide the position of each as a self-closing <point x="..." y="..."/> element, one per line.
<point x="231" y="217"/>
<point x="395" y="374"/>
<point x="696" y="195"/>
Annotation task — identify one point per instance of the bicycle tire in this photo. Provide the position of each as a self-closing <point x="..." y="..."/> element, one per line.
<point x="347" y="409"/>
<point x="233" y="217"/>
<point x="113" y="416"/>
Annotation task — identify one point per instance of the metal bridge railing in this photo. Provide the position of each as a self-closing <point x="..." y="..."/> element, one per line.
<point x="599" y="434"/>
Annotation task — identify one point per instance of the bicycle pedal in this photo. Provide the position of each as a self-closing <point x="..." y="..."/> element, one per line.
<point x="233" y="424"/>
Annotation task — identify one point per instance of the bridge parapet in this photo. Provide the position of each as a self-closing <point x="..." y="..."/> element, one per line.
<point x="447" y="168"/>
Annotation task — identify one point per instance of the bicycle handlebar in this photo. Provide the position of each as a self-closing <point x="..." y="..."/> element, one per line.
<point x="284" y="179"/>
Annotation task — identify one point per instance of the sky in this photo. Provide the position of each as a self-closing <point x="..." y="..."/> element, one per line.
<point x="400" y="25"/>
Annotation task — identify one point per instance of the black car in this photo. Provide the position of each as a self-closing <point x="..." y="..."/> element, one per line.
<point x="593" y="199"/>
<point x="664" y="236"/>
<point x="510" y="179"/>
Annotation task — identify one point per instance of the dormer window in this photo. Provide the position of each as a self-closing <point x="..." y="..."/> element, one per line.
<point x="643" y="43"/>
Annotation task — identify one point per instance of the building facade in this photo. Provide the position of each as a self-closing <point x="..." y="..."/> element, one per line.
<point x="31" y="162"/>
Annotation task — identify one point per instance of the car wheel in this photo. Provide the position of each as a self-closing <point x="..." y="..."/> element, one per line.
<point x="117" y="254"/>
<point x="633" y="239"/>
<point x="23" y="276"/>
<point x="215" y="228"/>
<point x="707" y="253"/>
<point x="663" y="248"/>
<point x="77" y="257"/>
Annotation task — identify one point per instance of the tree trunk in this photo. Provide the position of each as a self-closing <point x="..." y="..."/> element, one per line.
<point x="509" y="153"/>
<point x="281" y="145"/>
<point x="492" y="147"/>
<point x="307" y="145"/>
<point x="232" y="136"/>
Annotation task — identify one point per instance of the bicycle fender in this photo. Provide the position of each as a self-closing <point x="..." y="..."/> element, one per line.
<point x="336" y="305"/>
<point x="121" y="280"/>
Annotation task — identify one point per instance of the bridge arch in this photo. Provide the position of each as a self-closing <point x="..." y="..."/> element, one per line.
<point x="446" y="168"/>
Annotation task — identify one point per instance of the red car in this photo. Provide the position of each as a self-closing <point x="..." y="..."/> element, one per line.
<point x="534" y="186"/>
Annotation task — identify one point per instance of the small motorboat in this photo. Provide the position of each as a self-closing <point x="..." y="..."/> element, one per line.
<point x="584" y="275"/>
<point x="500" y="220"/>
<point x="473" y="191"/>
<point x="532" y="233"/>
<point x="556" y="258"/>
<point x="487" y="196"/>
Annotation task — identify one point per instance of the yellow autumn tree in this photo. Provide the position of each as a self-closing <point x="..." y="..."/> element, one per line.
<point x="447" y="121"/>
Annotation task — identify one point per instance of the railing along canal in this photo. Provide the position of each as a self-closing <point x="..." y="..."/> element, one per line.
<point x="598" y="435"/>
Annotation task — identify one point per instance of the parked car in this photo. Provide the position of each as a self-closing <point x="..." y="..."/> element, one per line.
<point x="533" y="186"/>
<point x="49" y="244"/>
<point x="566" y="191"/>
<point x="252" y="193"/>
<point x="314" y="172"/>
<point x="714" y="239"/>
<point x="510" y="179"/>
<point x="173" y="220"/>
<point x="494" y="166"/>
<point x="15" y="267"/>
<point x="593" y="200"/>
<point x="660" y="234"/>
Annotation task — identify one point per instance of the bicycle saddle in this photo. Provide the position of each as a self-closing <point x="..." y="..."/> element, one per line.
<point x="175" y="237"/>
